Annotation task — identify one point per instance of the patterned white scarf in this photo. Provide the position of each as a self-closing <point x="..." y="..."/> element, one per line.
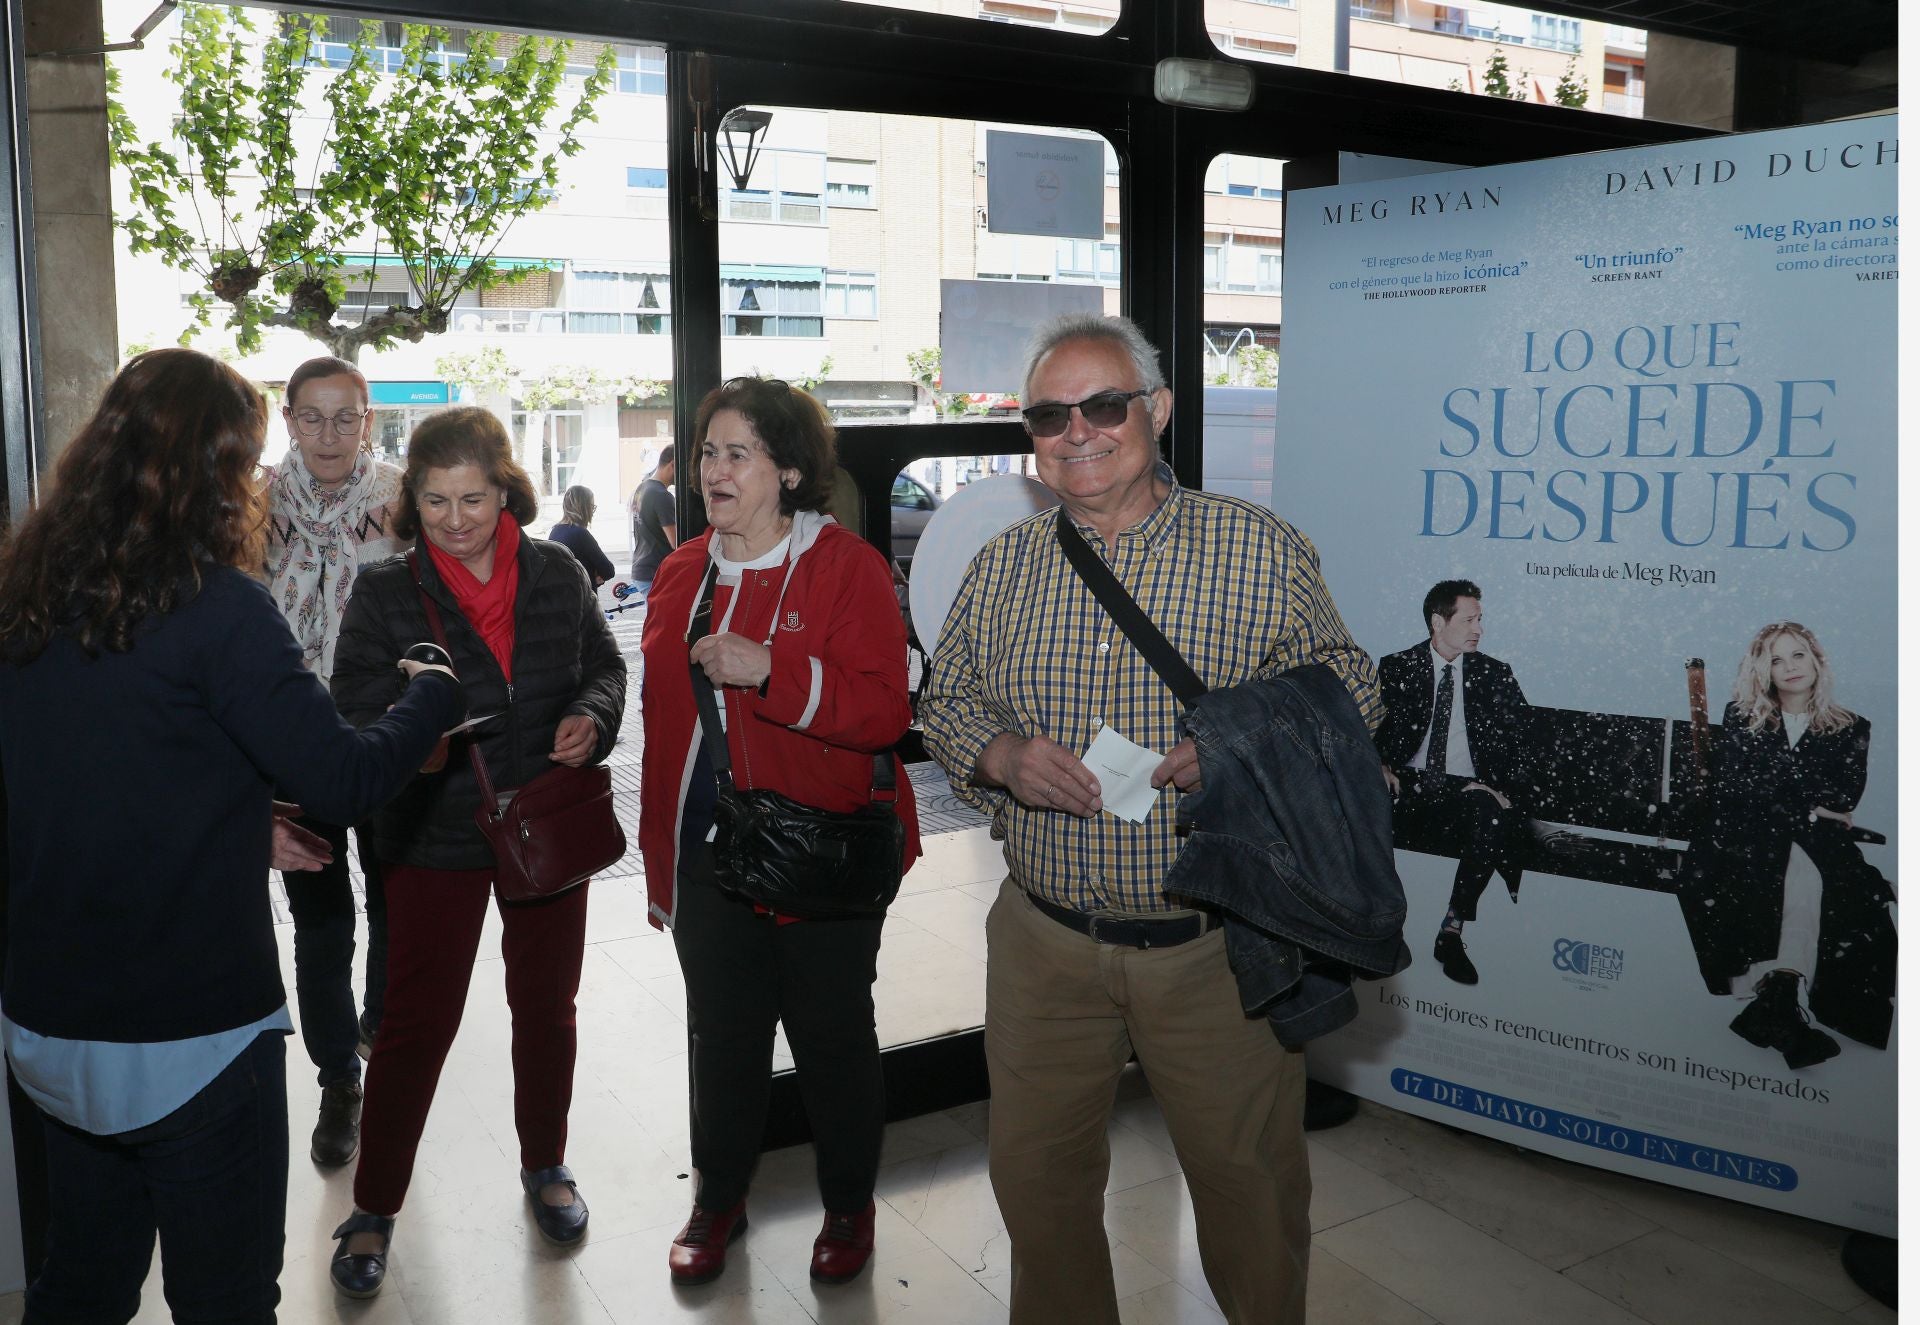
<point x="319" y="539"/>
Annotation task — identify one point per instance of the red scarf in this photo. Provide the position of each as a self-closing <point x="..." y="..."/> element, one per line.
<point x="487" y="607"/>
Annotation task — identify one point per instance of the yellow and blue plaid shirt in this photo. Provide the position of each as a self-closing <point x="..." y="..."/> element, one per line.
<point x="1028" y="649"/>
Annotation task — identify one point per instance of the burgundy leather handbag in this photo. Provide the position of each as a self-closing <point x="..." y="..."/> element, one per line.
<point x="552" y="834"/>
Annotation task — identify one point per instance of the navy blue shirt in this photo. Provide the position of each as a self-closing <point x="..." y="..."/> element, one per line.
<point x="579" y="540"/>
<point x="139" y="826"/>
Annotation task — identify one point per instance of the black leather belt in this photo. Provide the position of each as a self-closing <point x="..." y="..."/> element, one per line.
<point x="1130" y="931"/>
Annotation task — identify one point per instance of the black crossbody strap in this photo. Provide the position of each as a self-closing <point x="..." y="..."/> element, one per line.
<point x="711" y="732"/>
<point x="1186" y="685"/>
<point x="714" y="735"/>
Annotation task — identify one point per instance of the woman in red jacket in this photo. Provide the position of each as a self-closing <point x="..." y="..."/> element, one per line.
<point x="808" y="655"/>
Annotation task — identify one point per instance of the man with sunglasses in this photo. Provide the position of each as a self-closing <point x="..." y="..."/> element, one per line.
<point x="1088" y="958"/>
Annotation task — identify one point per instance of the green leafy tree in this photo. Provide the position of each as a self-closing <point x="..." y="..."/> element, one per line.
<point x="429" y="158"/>
<point x="810" y="382"/>
<point x="1571" y="90"/>
<point x="1498" y="79"/>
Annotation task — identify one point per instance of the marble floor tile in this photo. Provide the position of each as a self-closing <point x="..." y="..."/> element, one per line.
<point x="1492" y="1186"/>
<point x="1338" y="1294"/>
<point x="1155" y="1220"/>
<point x="952" y="913"/>
<point x="916" y="1288"/>
<point x="1666" y="1279"/>
<point x="475" y="1258"/>
<point x="1167" y="1304"/>
<point x="1343" y="1190"/>
<point x="1799" y="1253"/>
<point x="1458" y="1274"/>
<point x="966" y="857"/>
<point x="644" y="955"/>
<point x="628" y="1276"/>
<point x="617" y="909"/>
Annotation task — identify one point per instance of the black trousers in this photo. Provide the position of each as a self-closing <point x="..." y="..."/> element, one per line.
<point x="323" y="923"/>
<point x="744" y="973"/>
<point x="210" y="1178"/>
<point x="1472" y="824"/>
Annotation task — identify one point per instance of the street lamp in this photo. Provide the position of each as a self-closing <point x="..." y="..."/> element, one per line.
<point x="740" y="134"/>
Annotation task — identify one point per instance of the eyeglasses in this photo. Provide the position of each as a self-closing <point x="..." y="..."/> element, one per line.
<point x="310" y="423"/>
<point x="1103" y="409"/>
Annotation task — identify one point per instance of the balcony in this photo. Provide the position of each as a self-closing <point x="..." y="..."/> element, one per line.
<point x="468" y="320"/>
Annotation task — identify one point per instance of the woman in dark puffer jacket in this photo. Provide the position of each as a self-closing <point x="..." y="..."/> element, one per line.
<point x="537" y="655"/>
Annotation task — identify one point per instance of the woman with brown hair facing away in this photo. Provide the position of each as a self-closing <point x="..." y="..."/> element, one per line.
<point x="151" y="700"/>
<point x="540" y="662"/>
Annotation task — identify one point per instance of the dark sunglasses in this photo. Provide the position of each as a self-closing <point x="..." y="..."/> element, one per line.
<point x="1103" y="409"/>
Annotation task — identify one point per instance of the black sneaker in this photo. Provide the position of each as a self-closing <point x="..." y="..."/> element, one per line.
<point x="336" y="1137"/>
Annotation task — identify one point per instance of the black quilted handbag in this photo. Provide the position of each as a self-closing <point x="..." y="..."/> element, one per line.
<point x="796" y="859"/>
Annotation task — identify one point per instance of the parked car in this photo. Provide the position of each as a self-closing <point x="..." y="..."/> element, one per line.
<point x="913" y="504"/>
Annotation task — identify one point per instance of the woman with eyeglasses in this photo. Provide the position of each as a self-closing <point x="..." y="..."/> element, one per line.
<point x="807" y="658"/>
<point x="152" y="701"/>
<point x="332" y="505"/>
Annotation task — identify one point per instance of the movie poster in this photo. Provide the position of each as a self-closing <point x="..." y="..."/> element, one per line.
<point x="1643" y="404"/>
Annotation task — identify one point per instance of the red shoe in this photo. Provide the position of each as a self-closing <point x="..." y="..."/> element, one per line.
<point x="843" y="1247"/>
<point x="699" y="1253"/>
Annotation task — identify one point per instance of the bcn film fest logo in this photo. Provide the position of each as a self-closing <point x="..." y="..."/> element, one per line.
<point x="1588" y="961"/>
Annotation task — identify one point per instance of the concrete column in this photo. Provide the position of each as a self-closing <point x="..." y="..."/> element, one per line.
<point x="72" y="213"/>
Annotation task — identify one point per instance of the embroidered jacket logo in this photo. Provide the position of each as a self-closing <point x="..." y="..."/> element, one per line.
<point x="791" y="621"/>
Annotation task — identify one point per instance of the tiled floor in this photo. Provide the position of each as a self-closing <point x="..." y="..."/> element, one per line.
<point x="1413" y="1222"/>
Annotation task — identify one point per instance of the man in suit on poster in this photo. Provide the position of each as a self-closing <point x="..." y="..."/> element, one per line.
<point x="1453" y="750"/>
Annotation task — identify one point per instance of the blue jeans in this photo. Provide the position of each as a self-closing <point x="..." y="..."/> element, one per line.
<point x="210" y="1178"/>
<point x="323" y="922"/>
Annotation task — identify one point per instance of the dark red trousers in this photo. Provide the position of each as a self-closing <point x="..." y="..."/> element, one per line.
<point x="433" y="934"/>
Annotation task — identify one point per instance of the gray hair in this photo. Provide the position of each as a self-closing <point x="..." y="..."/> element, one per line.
<point x="577" y="505"/>
<point x="1055" y="332"/>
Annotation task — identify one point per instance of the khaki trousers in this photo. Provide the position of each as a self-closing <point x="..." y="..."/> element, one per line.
<point x="1062" y="1013"/>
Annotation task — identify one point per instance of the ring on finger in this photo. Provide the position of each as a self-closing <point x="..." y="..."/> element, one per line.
<point x="1052" y="791"/>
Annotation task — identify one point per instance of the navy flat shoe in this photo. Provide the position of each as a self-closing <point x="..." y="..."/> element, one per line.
<point x="562" y="1225"/>
<point x="360" y="1274"/>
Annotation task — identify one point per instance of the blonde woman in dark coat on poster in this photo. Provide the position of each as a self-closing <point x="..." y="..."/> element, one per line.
<point x="1782" y="906"/>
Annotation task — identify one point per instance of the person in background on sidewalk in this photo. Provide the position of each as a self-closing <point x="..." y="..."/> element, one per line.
<point x="151" y="701"/>
<point x="576" y="513"/>
<point x="332" y="507"/>
<point x="654" y="532"/>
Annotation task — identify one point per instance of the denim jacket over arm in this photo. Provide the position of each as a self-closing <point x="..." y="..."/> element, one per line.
<point x="1290" y="837"/>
